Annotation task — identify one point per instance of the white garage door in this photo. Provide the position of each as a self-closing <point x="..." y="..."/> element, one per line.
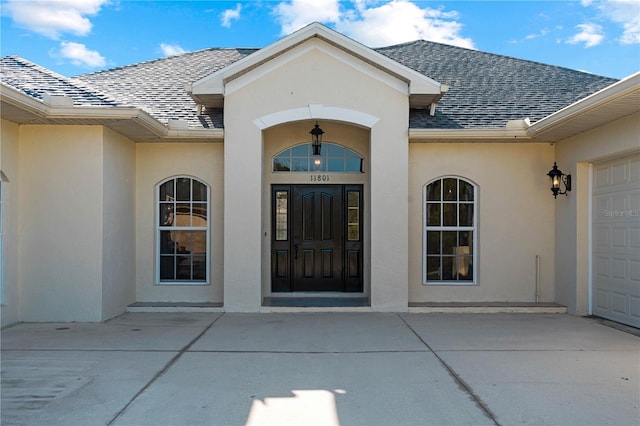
<point x="616" y="240"/>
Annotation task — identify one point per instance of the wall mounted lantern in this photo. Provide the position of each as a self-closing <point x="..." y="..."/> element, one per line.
<point x="557" y="177"/>
<point x="316" y="139"/>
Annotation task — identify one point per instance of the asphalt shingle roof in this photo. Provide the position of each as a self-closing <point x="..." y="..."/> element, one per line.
<point x="485" y="91"/>
<point x="37" y="81"/>
<point x="489" y="89"/>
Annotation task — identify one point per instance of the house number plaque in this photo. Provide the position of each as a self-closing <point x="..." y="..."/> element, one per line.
<point x="319" y="178"/>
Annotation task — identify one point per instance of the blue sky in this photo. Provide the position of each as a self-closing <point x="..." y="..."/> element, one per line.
<point x="78" y="36"/>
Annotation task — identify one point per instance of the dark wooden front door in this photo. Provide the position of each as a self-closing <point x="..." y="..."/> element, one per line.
<point x="317" y="238"/>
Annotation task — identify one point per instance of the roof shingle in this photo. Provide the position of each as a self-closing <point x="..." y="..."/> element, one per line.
<point x="486" y="90"/>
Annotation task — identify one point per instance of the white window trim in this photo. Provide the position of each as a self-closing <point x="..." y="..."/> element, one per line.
<point x="473" y="228"/>
<point x="158" y="229"/>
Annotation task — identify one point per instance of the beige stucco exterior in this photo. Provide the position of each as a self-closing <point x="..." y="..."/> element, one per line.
<point x="10" y="278"/>
<point x="515" y="221"/>
<point x="573" y="213"/>
<point x="156" y="163"/>
<point x="299" y="79"/>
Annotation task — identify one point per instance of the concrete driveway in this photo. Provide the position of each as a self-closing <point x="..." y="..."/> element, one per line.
<point x="321" y="368"/>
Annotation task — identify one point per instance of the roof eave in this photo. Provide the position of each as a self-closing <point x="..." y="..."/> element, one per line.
<point x="132" y="122"/>
<point x="468" y="135"/>
<point x="613" y="102"/>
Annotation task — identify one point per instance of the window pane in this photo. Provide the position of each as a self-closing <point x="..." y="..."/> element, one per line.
<point x="433" y="214"/>
<point x="464" y="267"/>
<point x="199" y="242"/>
<point x="281" y="164"/>
<point x="450" y="189"/>
<point x="354" y="165"/>
<point x="300" y="164"/>
<point x="199" y="268"/>
<point x="183" y="214"/>
<point x="335" y="150"/>
<point x="300" y="150"/>
<point x="466" y="191"/>
<point x="433" y="242"/>
<point x="167" y="245"/>
<point x="166" y="191"/>
<point x="183" y="241"/>
<point x="353" y="232"/>
<point x="449" y="242"/>
<point x="167" y="268"/>
<point x="166" y="214"/>
<point x="465" y="239"/>
<point x="433" y="191"/>
<point x="433" y="268"/>
<point x="448" y="268"/>
<point x="336" y="165"/>
<point x="199" y="191"/>
<point x="183" y="189"/>
<point x="450" y="214"/>
<point x="183" y="268"/>
<point x="466" y="214"/>
<point x="318" y="164"/>
<point x="199" y="211"/>
<point x="281" y="215"/>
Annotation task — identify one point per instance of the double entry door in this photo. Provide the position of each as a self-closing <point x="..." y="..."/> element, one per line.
<point x="317" y="238"/>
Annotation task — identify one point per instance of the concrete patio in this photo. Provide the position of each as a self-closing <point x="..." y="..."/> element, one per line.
<point x="321" y="368"/>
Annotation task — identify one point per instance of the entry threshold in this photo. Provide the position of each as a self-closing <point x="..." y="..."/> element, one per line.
<point x="316" y="302"/>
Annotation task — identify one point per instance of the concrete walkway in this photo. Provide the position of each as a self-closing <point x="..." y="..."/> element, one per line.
<point x="321" y="368"/>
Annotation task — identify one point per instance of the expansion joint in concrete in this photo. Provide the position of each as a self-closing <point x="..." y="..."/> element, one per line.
<point x="163" y="370"/>
<point x="464" y="386"/>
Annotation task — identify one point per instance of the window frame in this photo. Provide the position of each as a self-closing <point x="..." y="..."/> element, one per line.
<point x="457" y="228"/>
<point x="159" y="229"/>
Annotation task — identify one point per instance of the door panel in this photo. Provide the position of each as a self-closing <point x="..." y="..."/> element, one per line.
<point x="316" y="225"/>
<point x="317" y="238"/>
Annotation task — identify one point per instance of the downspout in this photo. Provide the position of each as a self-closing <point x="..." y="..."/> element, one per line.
<point x="537" y="294"/>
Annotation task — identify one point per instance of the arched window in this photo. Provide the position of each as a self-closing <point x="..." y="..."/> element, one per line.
<point x="333" y="158"/>
<point x="449" y="231"/>
<point x="183" y="231"/>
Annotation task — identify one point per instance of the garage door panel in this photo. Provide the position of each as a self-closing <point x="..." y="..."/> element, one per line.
<point x="616" y="240"/>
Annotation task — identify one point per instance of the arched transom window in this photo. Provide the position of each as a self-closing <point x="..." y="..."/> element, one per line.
<point x="333" y="158"/>
<point x="183" y="231"/>
<point x="450" y="231"/>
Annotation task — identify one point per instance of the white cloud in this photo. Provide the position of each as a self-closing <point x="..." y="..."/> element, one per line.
<point x="375" y="24"/>
<point x="543" y="32"/>
<point x="627" y="14"/>
<point x="590" y="34"/>
<point x="52" y="18"/>
<point x="171" y="49"/>
<point x="230" y="15"/>
<point x="295" y="14"/>
<point x="80" y="55"/>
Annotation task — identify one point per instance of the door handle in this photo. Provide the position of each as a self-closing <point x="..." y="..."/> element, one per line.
<point x="295" y="251"/>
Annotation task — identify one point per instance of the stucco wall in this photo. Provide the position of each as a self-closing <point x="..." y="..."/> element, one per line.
<point x="573" y="222"/>
<point x="154" y="164"/>
<point x="119" y="211"/>
<point x="9" y="140"/>
<point x="315" y="73"/>
<point x="61" y="195"/>
<point x="515" y="219"/>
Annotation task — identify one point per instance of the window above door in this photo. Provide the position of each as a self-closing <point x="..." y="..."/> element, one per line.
<point x="333" y="158"/>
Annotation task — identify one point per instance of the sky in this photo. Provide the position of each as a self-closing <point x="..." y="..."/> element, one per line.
<point x="74" y="37"/>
